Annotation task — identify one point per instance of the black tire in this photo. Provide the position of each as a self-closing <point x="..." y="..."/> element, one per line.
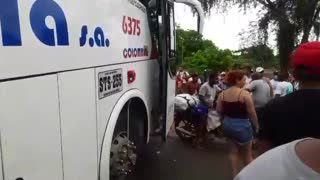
<point x="136" y="132"/>
<point x="137" y="129"/>
<point x="121" y="123"/>
<point x="182" y="122"/>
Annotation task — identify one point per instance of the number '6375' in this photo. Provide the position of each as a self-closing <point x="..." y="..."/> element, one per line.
<point x="131" y="26"/>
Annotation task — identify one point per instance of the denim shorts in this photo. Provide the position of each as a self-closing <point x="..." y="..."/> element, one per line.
<point x="238" y="130"/>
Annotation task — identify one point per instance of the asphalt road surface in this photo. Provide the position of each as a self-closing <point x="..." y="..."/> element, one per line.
<point x="175" y="160"/>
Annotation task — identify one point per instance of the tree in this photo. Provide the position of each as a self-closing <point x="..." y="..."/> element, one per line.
<point x="292" y="20"/>
<point x="258" y="55"/>
<point x="200" y="54"/>
<point x="210" y="59"/>
<point x="191" y="41"/>
<point x="188" y="42"/>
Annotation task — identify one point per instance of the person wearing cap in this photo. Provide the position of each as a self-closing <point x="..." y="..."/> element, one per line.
<point x="296" y="115"/>
<point x="261" y="88"/>
<point x="260" y="70"/>
<point x="222" y="81"/>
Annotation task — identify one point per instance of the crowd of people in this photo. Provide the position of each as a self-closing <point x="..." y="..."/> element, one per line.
<point x="281" y="112"/>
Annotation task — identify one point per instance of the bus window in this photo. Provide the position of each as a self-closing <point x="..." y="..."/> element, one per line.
<point x="185" y="22"/>
<point x="144" y="2"/>
<point x="172" y="42"/>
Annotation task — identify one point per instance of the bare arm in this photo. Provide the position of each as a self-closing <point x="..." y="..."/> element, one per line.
<point x="219" y="103"/>
<point x="270" y="86"/>
<point x="251" y="110"/>
<point x="251" y="87"/>
<point x="308" y="152"/>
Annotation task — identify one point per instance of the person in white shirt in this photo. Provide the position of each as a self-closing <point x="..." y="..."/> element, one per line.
<point x="283" y="87"/>
<point x="208" y="91"/>
<point x="298" y="160"/>
<point x="207" y="95"/>
<point x="274" y="80"/>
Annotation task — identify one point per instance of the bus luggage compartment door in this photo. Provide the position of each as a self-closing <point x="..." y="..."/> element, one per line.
<point x="30" y="129"/>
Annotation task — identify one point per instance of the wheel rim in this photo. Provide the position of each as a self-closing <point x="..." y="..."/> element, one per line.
<point x="185" y="129"/>
<point x="123" y="156"/>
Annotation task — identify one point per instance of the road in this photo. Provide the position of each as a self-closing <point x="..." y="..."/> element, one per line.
<point x="175" y="160"/>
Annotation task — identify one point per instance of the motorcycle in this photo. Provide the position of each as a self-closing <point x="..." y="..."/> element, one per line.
<point x="187" y="115"/>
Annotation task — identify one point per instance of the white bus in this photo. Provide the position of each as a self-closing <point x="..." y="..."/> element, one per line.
<point x="83" y="84"/>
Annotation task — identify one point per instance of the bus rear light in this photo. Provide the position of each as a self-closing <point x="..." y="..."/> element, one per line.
<point x="131" y="76"/>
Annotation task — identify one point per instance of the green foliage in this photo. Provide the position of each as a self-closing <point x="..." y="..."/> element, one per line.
<point x="200" y="54"/>
<point x="258" y="55"/>
<point x="293" y="21"/>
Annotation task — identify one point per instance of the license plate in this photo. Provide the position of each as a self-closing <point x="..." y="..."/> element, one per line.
<point x="110" y="82"/>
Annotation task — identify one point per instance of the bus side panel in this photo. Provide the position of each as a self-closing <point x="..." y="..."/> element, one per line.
<point x="78" y="123"/>
<point x="119" y="22"/>
<point x="1" y="168"/>
<point x="30" y="129"/>
<point x="146" y="81"/>
<point x="105" y="105"/>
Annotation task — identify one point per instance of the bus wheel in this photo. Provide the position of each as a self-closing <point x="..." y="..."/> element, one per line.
<point x="123" y="156"/>
<point x="128" y="140"/>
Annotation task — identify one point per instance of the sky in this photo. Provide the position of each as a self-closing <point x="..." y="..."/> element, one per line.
<point x="222" y="29"/>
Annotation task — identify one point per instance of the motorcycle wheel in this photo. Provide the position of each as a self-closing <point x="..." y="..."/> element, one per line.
<point x="185" y="129"/>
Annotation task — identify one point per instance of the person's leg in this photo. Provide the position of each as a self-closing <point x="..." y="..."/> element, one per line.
<point x="200" y="131"/>
<point x="203" y="129"/>
<point x="246" y="153"/>
<point x="234" y="159"/>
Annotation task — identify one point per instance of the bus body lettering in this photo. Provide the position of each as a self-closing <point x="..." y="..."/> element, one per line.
<point x="9" y="23"/>
<point x="40" y="10"/>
